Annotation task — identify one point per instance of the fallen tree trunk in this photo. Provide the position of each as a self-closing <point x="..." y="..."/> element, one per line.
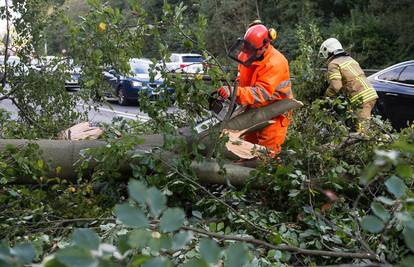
<point x="64" y="154"/>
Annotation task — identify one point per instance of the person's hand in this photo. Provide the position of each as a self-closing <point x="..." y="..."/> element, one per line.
<point x="224" y="92"/>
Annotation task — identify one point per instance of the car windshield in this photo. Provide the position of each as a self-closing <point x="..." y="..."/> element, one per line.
<point x="12" y="60"/>
<point x="139" y="68"/>
<point x="187" y="59"/>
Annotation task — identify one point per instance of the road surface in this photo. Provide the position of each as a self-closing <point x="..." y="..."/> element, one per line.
<point x="104" y="113"/>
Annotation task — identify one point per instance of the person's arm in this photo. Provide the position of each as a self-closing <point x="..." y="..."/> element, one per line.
<point x="264" y="88"/>
<point x="335" y="80"/>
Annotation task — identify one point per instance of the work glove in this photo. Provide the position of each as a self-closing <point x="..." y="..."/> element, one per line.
<point x="224" y="92"/>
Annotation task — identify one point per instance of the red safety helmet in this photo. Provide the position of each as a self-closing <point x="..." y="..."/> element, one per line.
<point x="252" y="46"/>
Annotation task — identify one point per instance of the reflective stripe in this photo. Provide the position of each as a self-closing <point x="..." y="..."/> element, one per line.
<point x="260" y="94"/>
<point x="347" y="63"/>
<point x="352" y="70"/>
<point x="280" y="89"/>
<point x="365" y="95"/>
<point x="259" y="91"/>
<point x="282" y="85"/>
<point x="335" y="76"/>
<point x="330" y="92"/>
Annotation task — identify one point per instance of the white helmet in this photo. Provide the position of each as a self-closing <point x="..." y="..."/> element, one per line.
<point x="330" y="47"/>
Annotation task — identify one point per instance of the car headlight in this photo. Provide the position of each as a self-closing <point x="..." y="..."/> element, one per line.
<point x="136" y="84"/>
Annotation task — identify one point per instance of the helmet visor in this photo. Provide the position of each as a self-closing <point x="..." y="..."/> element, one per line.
<point x="243" y="52"/>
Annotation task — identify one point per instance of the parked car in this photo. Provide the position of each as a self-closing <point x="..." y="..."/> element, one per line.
<point x="189" y="63"/>
<point x="12" y="61"/>
<point x="73" y="83"/>
<point x="51" y="63"/>
<point x="127" y="88"/>
<point x="395" y="88"/>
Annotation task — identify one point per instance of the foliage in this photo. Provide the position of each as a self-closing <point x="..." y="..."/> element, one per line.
<point x="325" y="192"/>
<point x="306" y="69"/>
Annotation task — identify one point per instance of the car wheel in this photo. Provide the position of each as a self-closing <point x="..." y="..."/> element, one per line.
<point x="122" y="97"/>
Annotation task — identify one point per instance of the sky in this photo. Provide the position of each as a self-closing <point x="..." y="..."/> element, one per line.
<point x="3" y="22"/>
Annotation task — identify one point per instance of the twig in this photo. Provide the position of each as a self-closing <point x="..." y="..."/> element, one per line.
<point x="6" y="50"/>
<point x="25" y="115"/>
<point x="350" y="235"/>
<point x="205" y="50"/>
<point x="358" y="235"/>
<point x="293" y="249"/>
<point x="189" y="179"/>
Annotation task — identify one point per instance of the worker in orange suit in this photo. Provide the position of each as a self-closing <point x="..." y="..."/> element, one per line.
<point x="263" y="79"/>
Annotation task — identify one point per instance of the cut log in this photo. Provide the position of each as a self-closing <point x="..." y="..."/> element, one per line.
<point x="64" y="154"/>
<point x="81" y="131"/>
<point x="241" y="148"/>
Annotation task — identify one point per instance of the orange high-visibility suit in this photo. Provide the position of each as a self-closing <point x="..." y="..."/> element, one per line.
<point x="261" y="84"/>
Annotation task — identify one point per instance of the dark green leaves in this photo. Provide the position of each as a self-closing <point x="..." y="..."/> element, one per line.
<point x="131" y="216"/>
<point x="137" y="191"/>
<point x="156" y="201"/>
<point x="372" y="224"/>
<point x="380" y="211"/>
<point x="209" y="250"/>
<point x="24" y="252"/>
<point x="409" y="235"/>
<point x="158" y="262"/>
<point x="396" y="186"/>
<point x="181" y="239"/>
<point x="139" y="238"/>
<point x="86" y="238"/>
<point x="404" y="170"/>
<point x="237" y="255"/>
<point x="172" y="220"/>
<point x="196" y="263"/>
<point x="76" y="257"/>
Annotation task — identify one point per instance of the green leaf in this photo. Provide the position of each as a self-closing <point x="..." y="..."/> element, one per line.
<point x="172" y="220"/>
<point x="138" y="260"/>
<point x="407" y="262"/>
<point x="408" y="234"/>
<point x="372" y="224"/>
<point x="396" y="186"/>
<point x="156" y="201"/>
<point x="137" y="191"/>
<point x="181" y="239"/>
<point x="237" y="255"/>
<point x="76" y="257"/>
<point x="385" y="201"/>
<point x="368" y="174"/>
<point x="24" y="252"/>
<point x="276" y="239"/>
<point x="404" y="170"/>
<point x="197" y="214"/>
<point x="53" y="263"/>
<point x="86" y="238"/>
<point x="158" y="262"/>
<point x="195" y="263"/>
<point x="209" y="250"/>
<point x="139" y="238"/>
<point x="380" y="211"/>
<point x="131" y="216"/>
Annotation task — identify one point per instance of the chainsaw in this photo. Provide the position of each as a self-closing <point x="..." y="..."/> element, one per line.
<point x="220" y="109"/>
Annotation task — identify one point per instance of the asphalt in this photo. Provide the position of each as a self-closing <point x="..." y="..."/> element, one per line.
<point x="103" y="113"/>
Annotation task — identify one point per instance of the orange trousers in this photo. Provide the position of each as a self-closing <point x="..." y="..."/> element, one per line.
<point x="272" y="136"/>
